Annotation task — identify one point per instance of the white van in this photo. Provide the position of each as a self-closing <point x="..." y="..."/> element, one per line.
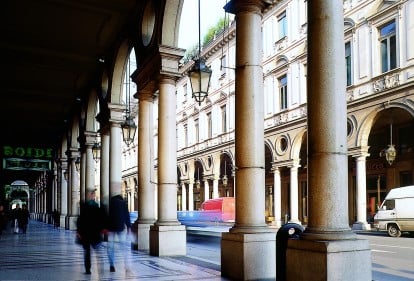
<point x="396" y="213"/>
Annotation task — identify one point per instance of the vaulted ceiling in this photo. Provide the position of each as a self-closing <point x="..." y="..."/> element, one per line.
<point x="50" y="59"/>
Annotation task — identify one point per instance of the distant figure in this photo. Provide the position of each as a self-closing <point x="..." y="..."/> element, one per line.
<point x="56" y="218"/>
<point x="119" y="225"/>
<point x="23" y="216"/>
<point x="90" y="226"/>
<point x="3" y="219"/>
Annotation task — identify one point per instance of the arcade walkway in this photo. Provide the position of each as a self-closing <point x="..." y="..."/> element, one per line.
<point x="45" y="253"/>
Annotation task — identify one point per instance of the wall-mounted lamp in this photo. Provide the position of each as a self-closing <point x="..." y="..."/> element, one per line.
<point x="200" y="74"/>
<point x="96" y="151"/>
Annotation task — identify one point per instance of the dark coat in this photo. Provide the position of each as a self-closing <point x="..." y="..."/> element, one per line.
<point x="23" y="216"/>
<point x="91" y="223"/>
<point x="118" y="214"/>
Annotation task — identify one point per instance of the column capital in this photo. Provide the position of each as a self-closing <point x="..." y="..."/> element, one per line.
<point x="170" y="59"/>
<point x="290" y="163"/>
<point x="256" y="6"/>
<point x="72" y="153"/>
<point x="116" y="112"/>
<point x="359" y="151"/>
<point x="145" y="95"/>
<point x="90" y="138"/>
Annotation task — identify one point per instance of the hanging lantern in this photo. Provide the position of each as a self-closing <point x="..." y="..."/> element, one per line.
<point x="96" y="151"/>
<point x="390" y="154"/>
<point x="128" y="130"/>
<point x="77" y="164"/>
<point x="200" y="76"/>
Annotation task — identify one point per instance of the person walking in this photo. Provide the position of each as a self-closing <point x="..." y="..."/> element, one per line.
<point x="56" y="218"/>
<point x="90" y="226"/>
<point x="23" y="216"/>
<point x="119" y="225"/>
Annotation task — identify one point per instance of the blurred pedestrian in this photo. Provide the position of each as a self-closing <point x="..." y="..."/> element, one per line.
<point x="56" y="218"/>
<point x="90" y="226"/>
<point x="23" y="216"/>
<point x="119" y="225"/>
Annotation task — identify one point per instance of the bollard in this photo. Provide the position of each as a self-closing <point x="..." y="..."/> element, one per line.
<point x="285" y="232"/>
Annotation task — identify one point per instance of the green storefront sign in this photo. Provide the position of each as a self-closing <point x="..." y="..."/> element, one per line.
<point x="27" y="158"/>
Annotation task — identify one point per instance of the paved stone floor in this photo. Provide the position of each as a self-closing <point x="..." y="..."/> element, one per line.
<point x="45" y="253"/>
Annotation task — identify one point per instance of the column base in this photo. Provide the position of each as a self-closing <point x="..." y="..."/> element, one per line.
<point x="328" y="260"/>
<point x="248" y="256"/>
<point x="143" y="239"/>
<point x="62" y="222"/>
<point x="361" y="226"/>
<point x="168" y="240"/>
<point x="276" y="224"/>
<point x="71" y="222"/>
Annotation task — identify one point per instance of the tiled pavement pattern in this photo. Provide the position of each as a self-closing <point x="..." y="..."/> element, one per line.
<point x="45" y="253"/>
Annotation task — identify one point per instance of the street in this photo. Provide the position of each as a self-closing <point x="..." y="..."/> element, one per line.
<point x="392" y="258"/>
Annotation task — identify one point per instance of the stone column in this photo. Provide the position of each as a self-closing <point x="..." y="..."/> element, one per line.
<point x="167" y="228"/>
<point x="277" y="197"/>
<point x="73" y="190"/>
<point x="328" y="249"/>
<point x="294" y="193"/>
<point x="54" y="191"/>
<point x="361" y="190"/>
<point x="115" y="147"/>
<point x="104" y="169"/>
<point x="206" y="190"/>
<point x="57" y="186"/>
<point x="146" y="186"/>
<point x="63" y="192"/>
<point x="82" y="174"/>
<point x="248" y="250"/>
<point x="215" y="188"/>
<point x="89" y="163"/>
<point x="191" y="195"/>
<point x="183" y="197"/>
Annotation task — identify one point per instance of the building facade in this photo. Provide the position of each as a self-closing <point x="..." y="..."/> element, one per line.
<point x="379" y="60"/>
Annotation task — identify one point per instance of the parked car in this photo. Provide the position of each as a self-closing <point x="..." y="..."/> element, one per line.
<point x="396" y="213"/>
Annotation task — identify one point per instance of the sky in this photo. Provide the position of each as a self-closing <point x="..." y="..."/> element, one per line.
<point x="211" y="12"/>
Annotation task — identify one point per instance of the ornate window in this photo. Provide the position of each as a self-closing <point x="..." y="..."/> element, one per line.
<point x="388" y="45"/>
<point x="283" y="92"/>
<point x="282" y="25"/>
<point x="348" y="61"/>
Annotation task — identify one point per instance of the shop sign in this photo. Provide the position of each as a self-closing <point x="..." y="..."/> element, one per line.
<point x="375" y="166"/>
<point x="18" y="164"/>
<point x="27" y="152"/>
